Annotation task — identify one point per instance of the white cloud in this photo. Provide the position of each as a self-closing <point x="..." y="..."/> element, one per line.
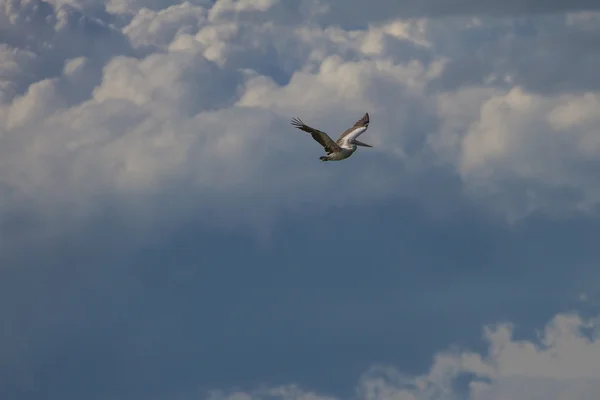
<point x="15" y="68"/>
<point x="38" y="40"/>
<point x="159" y="28"/>
<point x="537" y="140"/>
<point x="562" y="364"/>
<point x="196" y="99"/>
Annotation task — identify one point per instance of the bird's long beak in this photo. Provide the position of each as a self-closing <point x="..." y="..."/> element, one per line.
<point x="356" y="142"/>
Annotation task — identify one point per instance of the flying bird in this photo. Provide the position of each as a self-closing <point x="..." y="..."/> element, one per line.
<point x="344" y="146"/>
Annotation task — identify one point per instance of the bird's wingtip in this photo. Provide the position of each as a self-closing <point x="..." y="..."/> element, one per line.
<point x="297" y="122"/>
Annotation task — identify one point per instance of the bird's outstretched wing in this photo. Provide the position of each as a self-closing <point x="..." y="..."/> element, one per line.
<point x="324" y="140"/>
<point x="357" y="129"/>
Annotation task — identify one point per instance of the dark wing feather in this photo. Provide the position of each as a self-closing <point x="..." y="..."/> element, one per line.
<point x="361" y="123"/>
<point x="324" y="140"/>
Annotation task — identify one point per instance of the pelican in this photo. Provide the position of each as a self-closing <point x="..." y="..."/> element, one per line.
<point x="346" y="143"/>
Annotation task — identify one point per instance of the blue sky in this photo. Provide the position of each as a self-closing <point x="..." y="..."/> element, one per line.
<point x="166" y="234"/>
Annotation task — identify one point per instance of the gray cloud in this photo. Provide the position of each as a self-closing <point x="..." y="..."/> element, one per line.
<point x="553" y="54"/>
<point x="40" y="41"/>
<point x="357" y="14"/>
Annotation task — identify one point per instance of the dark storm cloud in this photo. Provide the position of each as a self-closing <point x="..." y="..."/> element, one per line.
<point x="201" y="310"/>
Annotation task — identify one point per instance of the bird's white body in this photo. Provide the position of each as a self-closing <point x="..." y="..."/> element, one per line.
<point x="346" y="151"/>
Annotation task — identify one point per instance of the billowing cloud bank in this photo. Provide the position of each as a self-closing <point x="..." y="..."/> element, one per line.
<point x="125" y="107"/>
<point x="563" y="363"/>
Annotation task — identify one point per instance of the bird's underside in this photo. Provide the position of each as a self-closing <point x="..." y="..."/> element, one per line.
<point x="344" y="146"/>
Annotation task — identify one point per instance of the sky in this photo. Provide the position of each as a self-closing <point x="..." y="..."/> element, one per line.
<point x="166" y="234"/>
